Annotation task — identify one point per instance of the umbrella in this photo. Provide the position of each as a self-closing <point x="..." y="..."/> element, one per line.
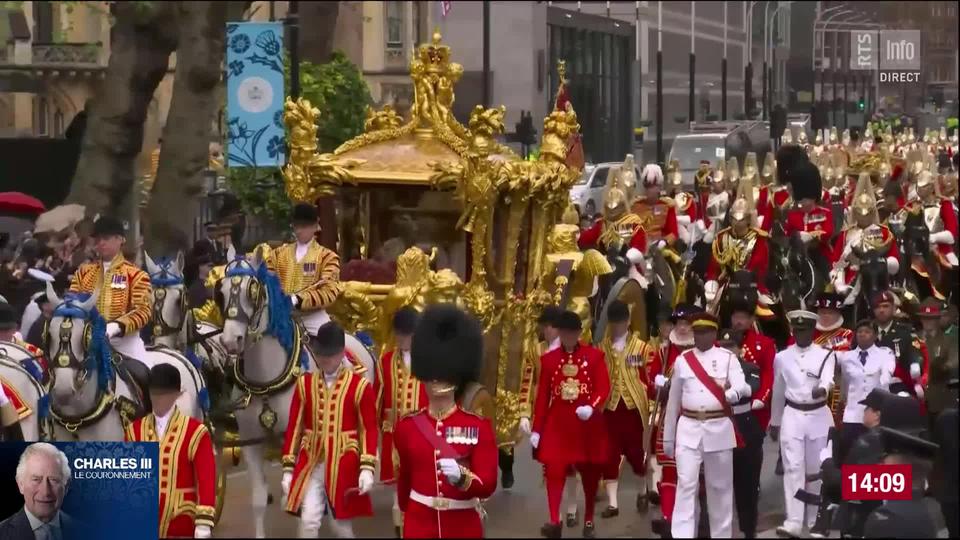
<point x="60" y="218"/>
<point x="14" y="201"/>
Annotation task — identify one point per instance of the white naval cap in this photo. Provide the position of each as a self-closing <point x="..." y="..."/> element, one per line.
<point x="801" y="316"/>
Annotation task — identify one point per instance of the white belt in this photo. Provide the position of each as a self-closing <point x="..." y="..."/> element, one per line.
<point x="740" y="409"/>
<point x="443" y="503"/>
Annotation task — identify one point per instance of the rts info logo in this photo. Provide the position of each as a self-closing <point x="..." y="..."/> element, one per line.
<point x="895" y="53"/>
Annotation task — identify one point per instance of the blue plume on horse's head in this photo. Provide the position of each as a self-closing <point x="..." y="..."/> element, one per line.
<point x="99" y="354"/>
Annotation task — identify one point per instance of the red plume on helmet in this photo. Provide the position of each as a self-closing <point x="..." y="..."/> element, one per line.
<point x="896" y="172"/>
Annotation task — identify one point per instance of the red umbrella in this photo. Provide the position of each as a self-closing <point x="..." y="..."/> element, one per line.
<point x="14" y="201"/>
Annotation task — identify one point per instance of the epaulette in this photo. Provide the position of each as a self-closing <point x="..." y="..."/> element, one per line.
<point x="760" y="232"/>
<point x="668" y="201"/>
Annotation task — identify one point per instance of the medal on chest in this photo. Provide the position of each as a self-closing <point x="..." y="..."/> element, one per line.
<point x="462" y="435"/>
<point x="309" y="269"/>
<point x="118" y="281"/>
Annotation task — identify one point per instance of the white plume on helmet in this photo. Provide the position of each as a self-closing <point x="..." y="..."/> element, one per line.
<point x="652" y="175"/>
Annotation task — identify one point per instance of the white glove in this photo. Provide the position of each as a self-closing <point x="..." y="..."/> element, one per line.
<point x="918" y="388"/>
<point x="708" y="236"/>
<point x="584" y="412"/>
<point x="113" y="329"/>
<point x="451" y="469"/>
<point x="756" y="405"/>
<point x="525" y="425"/>
<point x="700" y="226"/>
<point x="764" y="299"/>
<point x="202" y="531"/>
<point x="661" y="244"/>
<point x="683" y="219"/>
<point x="659" y="381"/>
<point x="710" y="290"/>
<point x="285" y="482"/>
<point x="295" y="300"/>
<point x="805" y="236"/>
<point x="534" y="440"/>
<point x="893" y="266"/>
<point x="668" y="449"/>
<point x="915" y="371"/>
<point x="634" y="255"/>
<point x="365" y="483"/>
<point x="942" y="237"/>
<point x="732" y="395"/>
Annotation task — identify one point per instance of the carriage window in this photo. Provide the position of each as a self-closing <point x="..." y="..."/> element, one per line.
<point x="600" y="177"/>
<point x="377" y="224"/>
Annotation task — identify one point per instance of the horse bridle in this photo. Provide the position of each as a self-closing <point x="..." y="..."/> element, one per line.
<point x="160" y="282"/>
<point x="65" y="356"/>
<point x="233" y="311"/>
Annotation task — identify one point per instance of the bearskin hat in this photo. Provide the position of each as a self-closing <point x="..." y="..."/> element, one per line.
<point x="618" y="311"/>
<point x="744" y="303"/>
<point x="569" y="320"/>
<point x="549" y="316"/>
<point x="305" y="214"/>
<point x="329" y="340"/>
<point x="447" y="346"/>
<point x="405" y="320"/>
<point x="788" y="157"/>
<point x="108" y="226"/>
<point x="806" y="182"/>
<point x="164" y="378"/>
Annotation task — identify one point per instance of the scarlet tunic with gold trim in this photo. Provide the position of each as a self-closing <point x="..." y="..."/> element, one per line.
<point x="765" y="208"/>
<point x="315" y="278"/>
<point x="628" y="229"/>
<point x="659" y="219"/>
<point x="472" y="438"/>
<point x="730" y="253"/>
<point x="529" y="374"/>
<point x="881" y="240"/>
<point x="761" y="350"/>
<point x="125" y="297"/>
<point x="398" y="393"/>
<point x="818" y="222"/>
<point x="336" y="427"/>
<point x="567" y="381"/>
<point x="188" y="472"/>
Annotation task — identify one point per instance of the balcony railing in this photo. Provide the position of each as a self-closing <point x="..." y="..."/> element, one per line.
<point x="67" y="54"/>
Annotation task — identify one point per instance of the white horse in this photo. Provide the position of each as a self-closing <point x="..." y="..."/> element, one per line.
<point x="259" y="329"/>
<point x="31" y="398"/>
<point x="94" y="391"/>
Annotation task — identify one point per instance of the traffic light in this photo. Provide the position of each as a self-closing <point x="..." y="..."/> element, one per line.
<point x="861" y="104"/>
<point x="526" y="133"/>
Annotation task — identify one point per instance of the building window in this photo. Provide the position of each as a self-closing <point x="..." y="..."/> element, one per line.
<point x="394" y="25"/>
<point x="58" y="123"/>
<point x="42" y="112"/>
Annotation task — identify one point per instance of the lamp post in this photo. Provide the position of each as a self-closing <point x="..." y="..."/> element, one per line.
<point x="659" y="82"/>
<point x="293" y="20"/>
<point x="692" y="116"/>
<point x="813" y="55"/>
<point x="723" y="68"/>
<point x="768" y="50"/>
<point x="748" y="70"/>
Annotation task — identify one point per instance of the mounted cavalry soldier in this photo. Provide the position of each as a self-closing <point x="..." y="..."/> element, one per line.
<point x="716" y="205"/>
<point x="620" y="232"/>
<point x="863" y="234"/>
<point x="741" y="246"/>
<point x="657" y="214"/>
<point x="308" y="272"/>
<point x="812" y="222"/>
<point x="627" y="409"/>
<point x="939" y="216"/>
<point x="126" y="298"/>
<point x="684" y="202"/>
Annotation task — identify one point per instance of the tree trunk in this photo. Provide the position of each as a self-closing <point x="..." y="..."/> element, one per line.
<point x="318" y="21"/>
<point x="187" y="134"/>
<point x="141" y="40"/>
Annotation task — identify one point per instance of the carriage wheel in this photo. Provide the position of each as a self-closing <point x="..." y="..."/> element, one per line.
<point x="221" y="493"/>
<point x="630" y="292"/>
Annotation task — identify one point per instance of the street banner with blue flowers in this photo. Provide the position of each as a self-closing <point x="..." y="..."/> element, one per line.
<point x="255" y="95"/>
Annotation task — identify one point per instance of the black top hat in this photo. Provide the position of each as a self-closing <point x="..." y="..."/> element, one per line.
<point x="164" y="378"/>
<point x="405" y="320"/>
<point x="549" y="316"/>
<point x="108" y="226"/>
<point x="806" y="182"/>
<point x="329" y="341"/>
<point x="743" y="305"/>
<point x="447" y="346"/>
<point x="569" y="320"/>
<point x="829" y="300"/>
<point x="8" y="317"/>
<point x="617" y="311"/>
<point x="305" y="214"/>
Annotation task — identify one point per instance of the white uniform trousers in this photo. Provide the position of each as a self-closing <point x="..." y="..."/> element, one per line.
<point x="801" y="456"/>
<point x="132" y="345"/>
<point x="314" y="506"/>
<point x="313" y="320"/>
<point x="718" y="474"/>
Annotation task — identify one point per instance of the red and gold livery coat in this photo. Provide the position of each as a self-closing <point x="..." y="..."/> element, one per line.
<point x="628" y="229"/>
<point x="398" y="393"/>
<point x="188" y="472"/>
<point x="765" y="208"/>
<point x="673" y="352"/>
<point x="761" y="351"/>
<point x="529" y="375"/>
<point x="125" y="297"/>
<point x="629" y="380"/>
<point x="472" y="438"/>
<point x="335" y="426"/>
<point x="315" y="278"/>
<point x="659" y="219"/>
<point x="567" y="381"/>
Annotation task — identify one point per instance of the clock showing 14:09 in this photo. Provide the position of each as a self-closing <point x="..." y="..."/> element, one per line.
<point x="881" y="482"/>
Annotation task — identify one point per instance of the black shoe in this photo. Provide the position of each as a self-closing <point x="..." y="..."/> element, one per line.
<point x="654" y="498"/>
<point x="779" y="469"/>
<point x="588" y="531"/>
<point x="551" y="530"/>
<point x="609" y="512"/>
<point x="821" y="528"/>
<point x="572" y="520"/>
<point x="643" y="502"/>
<point x="660" y="527"/>
<point x="269" y="498"/>
<point x="397" y="531"/>
<point x="749" y="534"/>
<point x="506" y="479"/>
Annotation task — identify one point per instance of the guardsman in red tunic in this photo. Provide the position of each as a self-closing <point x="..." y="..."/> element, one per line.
<point x="330" y="447"/>
<point x="627" y="410"/>
<point x="940" y="218"/>
<point x="680" y="339"/>
<point x="813" y="222"/>
<point x="620" y="230"/>
<point x="759" y="350"/>
<point x="568" y="426"/>
<point x="447" y="457"/>
<point x="188" y="469"/>
<point x="658" y="214"/>
<point x="398" y="393"/>
<point x="126" y="298"/>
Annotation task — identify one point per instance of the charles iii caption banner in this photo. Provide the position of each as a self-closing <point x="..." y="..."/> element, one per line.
<point x="112" y="492"/>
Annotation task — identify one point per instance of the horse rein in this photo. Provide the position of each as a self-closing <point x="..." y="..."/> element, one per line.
<point x="161" y="281"/>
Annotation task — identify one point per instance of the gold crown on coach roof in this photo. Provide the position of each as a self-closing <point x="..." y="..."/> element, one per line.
<point x="435" y="55"/>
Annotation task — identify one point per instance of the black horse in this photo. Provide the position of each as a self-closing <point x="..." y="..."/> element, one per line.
<point x="800" y="280"/>
<point x="921" y="272"/>
<point x="872" y="278"/>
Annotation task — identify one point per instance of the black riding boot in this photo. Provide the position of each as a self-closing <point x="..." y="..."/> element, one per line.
<point x="505" y="460"/>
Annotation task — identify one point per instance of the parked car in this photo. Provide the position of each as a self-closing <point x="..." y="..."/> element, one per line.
<point x="587" y="194"/>
<point x="713" y="141"/>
